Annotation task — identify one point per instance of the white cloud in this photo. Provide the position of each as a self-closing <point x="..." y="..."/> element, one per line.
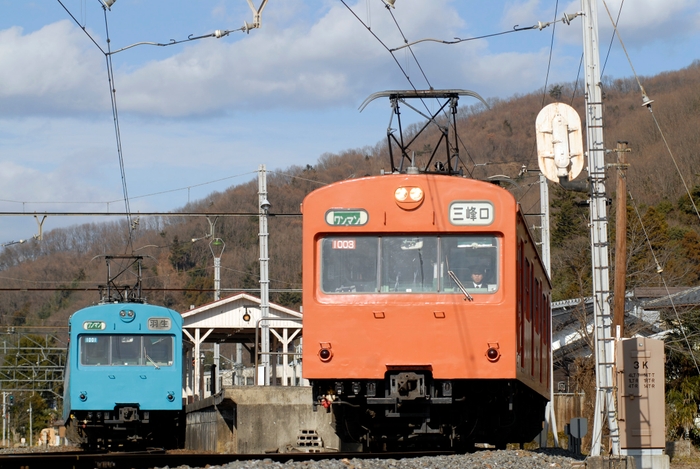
<point x="292" y="65"/>
<point x="300" y="59"/>
<point x="50" y="71"/>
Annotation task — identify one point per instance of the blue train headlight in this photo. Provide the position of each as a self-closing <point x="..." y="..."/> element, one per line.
<point x="127" y="315"/>
<point x="83" y="396"/>
<point x="171" y="396"/>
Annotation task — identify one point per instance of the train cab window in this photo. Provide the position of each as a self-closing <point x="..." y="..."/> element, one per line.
<point x="349" y="265"/>
<point x="126" y="350"/>
<point x="409" y="264"/>
<point x="473" y="259"/>
<point x="94" y="350"/>
<point x="158" y="350"/>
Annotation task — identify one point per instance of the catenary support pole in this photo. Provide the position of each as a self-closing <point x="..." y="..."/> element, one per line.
<point x="264" y="278"/>
<point x="604" y="340"/>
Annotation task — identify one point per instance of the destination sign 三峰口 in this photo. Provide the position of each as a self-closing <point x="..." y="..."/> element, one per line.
<point x="471" y="213"/>
<point x="356" y="217"/>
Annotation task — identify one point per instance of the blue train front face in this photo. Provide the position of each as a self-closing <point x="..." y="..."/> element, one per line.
<point x="124" y="365"/>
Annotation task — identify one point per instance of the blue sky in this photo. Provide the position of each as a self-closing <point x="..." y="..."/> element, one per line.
<point x="282" y="95"/>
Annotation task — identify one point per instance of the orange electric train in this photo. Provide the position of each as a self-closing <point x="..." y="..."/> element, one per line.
<point x="426" y="312"/>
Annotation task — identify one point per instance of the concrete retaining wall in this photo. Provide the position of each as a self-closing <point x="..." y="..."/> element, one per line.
<point x="259" y="419"/>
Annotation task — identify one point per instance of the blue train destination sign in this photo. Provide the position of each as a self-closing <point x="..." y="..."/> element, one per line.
<point x="159" y="324"/>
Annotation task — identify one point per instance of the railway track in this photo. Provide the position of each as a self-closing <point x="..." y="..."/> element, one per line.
<point x="160" y="458"/>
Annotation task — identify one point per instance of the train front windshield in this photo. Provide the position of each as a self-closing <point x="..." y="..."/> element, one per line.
<point x="409" y="264"/>
<point x="126" y="350"/>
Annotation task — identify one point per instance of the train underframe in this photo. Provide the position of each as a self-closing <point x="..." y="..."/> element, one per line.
<point x="127" y="426"/>
<point x="411" y="410"/>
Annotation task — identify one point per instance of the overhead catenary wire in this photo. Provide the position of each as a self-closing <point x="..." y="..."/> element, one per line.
<point x="647" y="103"/>
<point x="660" y="270"/>
<point x="152" y="194"/>
<point x="381" y="42"/>
<point x="566" y="19"/>
<point x="401" y="68"/>
<point x="398" y="63"/>
<point x="624" y="49"/>
<point x="218" y="34"/>
<point x="87" y="285"/>
<point x="516" y="29"/>
<point x="407" y="45"/>
<point x="551" y="50"/>
<point x="544" y="89"/>
<point x="257" y="13"/>
<point x="409" y="48"/>
<point x="403" y="71"/>
<point x="612" y="37"/>
<point x="117" y="134"/>
<point x="578" y="75"/>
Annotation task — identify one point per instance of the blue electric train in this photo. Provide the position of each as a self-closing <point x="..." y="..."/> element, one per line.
<point x="123" y="378"/>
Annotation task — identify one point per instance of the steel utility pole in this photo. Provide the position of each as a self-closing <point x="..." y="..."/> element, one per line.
<point x="264" y="205"/>
<point x="604" y="340"/>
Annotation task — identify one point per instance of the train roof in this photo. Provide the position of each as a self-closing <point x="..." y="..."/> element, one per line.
<point x="107" y="310"/>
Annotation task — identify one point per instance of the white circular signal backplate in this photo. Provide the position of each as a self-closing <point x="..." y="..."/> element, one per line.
<point x="559" y="142"/>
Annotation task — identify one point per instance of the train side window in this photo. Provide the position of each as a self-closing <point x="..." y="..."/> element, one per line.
<point x="94" y="349"/>
<point x="126" y="350"/>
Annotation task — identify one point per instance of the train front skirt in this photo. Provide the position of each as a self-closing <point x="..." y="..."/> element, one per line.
<point x="410" y="409"/>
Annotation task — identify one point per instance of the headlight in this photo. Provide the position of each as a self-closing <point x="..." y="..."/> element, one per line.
<point x="409" y="197"/>
<point x="416" y="194"/>
<point x="401" y="194"/>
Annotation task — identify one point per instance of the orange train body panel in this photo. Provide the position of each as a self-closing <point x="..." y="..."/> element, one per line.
<point x="380" y="283"/>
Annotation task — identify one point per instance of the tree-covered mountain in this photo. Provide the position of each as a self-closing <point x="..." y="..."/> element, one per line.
<point x="44" y="281"/>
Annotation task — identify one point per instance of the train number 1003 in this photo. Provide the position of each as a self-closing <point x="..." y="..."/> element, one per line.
<point x="343" y="244"/>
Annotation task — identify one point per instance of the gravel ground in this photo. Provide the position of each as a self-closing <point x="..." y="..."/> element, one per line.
<point x="541" y="459"/>
<point x="512" y="459"/>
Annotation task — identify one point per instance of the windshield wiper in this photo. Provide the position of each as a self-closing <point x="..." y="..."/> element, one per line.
<point x="454" y="278"/>
<point x="151" y="360"/>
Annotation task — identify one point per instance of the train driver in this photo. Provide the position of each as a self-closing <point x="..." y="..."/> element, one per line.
<point x="478" y="277"/>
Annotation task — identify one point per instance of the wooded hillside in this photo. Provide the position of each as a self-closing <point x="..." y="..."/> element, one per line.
<point x="495" y="141"/>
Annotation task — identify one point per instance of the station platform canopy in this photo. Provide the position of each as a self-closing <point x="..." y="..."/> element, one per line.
<point x="235" y="319"/>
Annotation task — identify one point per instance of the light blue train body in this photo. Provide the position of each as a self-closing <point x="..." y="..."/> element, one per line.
<point x="123" y="378"/>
